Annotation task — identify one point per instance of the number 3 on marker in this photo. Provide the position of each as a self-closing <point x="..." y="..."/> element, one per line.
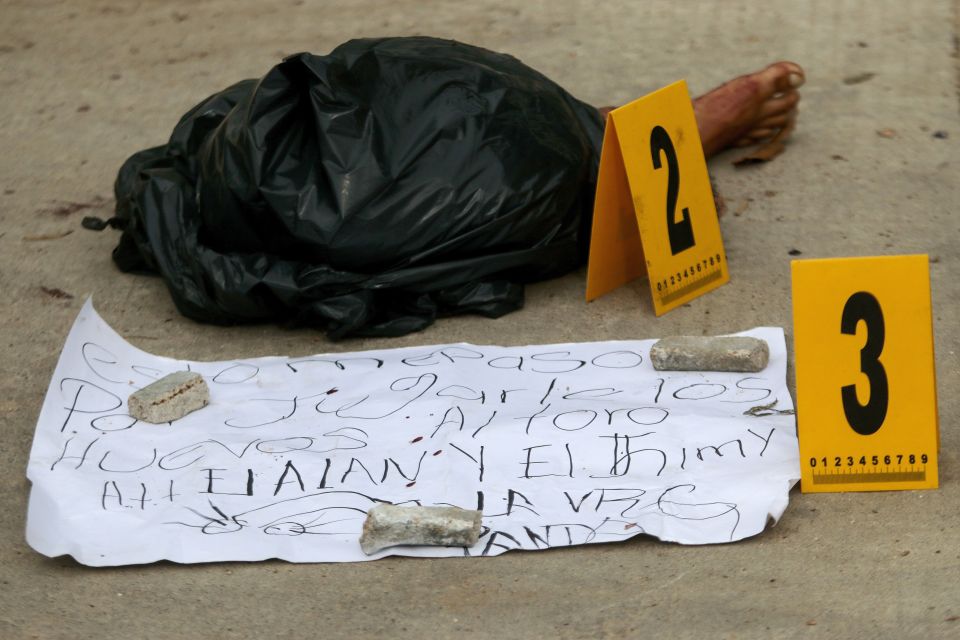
<point x="866" y="419"/>
<point x="679" y="233"/>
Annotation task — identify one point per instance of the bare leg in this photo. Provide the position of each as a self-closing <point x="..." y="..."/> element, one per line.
<point x="749" y="109"/>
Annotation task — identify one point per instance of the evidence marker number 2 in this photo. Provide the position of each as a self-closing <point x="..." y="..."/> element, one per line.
<point x="654" y="211"/>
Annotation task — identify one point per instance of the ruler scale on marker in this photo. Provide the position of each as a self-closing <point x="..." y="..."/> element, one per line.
<point x="859" y="477"/>
<point x="684" y="290"/>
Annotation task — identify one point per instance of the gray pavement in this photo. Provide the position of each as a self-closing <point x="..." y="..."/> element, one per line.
<point x="85" y="84"/>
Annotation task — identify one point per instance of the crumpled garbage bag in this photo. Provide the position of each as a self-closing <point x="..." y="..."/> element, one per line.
<point x="365" y="192"/>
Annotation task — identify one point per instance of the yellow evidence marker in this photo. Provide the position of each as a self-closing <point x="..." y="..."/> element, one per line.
<point x="866" y="387"/>
<point x="654" y="212"/>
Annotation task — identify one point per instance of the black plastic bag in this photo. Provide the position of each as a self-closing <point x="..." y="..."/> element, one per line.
<point x="366" y="192"/>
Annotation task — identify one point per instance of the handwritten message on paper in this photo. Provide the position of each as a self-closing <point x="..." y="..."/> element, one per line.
<point x="557" y="444"/>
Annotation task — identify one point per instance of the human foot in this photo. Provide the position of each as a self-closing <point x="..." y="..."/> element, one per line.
<point x="749" y="109"/>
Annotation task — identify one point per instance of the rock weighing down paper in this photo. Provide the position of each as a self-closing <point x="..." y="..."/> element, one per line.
<point x="557" y="445"/>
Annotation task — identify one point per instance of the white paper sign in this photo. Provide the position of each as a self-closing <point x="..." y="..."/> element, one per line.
<point x="557" y="444"/>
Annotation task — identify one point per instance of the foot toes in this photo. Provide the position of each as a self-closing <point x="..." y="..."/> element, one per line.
<point x="756" y="137"/>
<point x="781" y="104"/>
<point x="777" y="121"/>
<point x="761" y="134"/>
<point x="781" y="77"/>
<point x="767" y="130"/>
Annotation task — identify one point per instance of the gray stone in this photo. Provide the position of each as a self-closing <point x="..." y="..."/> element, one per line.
<point x="388" y="525"/>
<point x="169" y="398"/>
<point x="710" y="353"/>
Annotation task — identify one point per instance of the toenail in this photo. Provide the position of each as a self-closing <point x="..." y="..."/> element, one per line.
<point x="796" y="80"/>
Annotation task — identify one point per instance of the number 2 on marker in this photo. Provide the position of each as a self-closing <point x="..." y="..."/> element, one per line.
<point x="679" y="233"/>
<point x="866" y="419"/>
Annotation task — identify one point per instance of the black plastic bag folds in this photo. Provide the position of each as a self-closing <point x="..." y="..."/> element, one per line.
<point x="367" y="191"/>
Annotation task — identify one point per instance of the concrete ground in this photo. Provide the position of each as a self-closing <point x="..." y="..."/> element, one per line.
<point x="87" y="83"/>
